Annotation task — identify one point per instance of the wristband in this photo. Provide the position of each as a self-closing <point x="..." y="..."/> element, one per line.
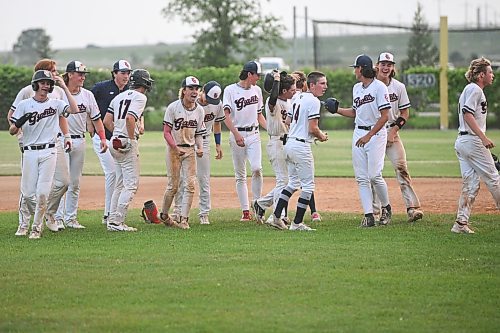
<point x="217" y="138"/>
<point x="101" y="134"/>
<point x="67" y="136"/>
<point x="400" y="122"/>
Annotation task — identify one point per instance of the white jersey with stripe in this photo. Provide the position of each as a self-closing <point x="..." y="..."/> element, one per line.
<point x="472" y="100"/>
<point x="28" y="92"/>
<point x="275" y="119"/>
<point x="369" y="101"/>
<point x="213" y="113"/>
<point x="43" y="126"/>
<point x="244" y="104"/>
<point x="129" y="102"/>
<point x="305" y="107"/>
<point x="398" y="98"/>
<point x="86" y="105"/>
<point x="185" y="124"/>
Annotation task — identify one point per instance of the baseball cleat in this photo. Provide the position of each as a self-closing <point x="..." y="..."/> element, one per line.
<point x="22" y="231"/>
<point x="414" y="214"/>
<point x="183" y="224"/>
<point x="104" y="219"/>
<point x="246" y="216"/>
<point x="368" y="221"/>
<point x="300" y="227"/>
<point x="259" y="212"/>
<point x="278" y="223"/>
<point x="204" y="219"/>
<point x="51" y="223"/>
<point x="35" y="234"/>
<point x="316" y="217"/>
<point x="74" y="224"/>
<point x="461" y="229"/>
<point x="119" y="227"/>
<point x="385" y="216"/>
<point x="166" y="220"/>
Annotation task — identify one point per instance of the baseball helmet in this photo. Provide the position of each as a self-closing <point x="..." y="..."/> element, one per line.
<point x="141" y="78"/>
<point x="42" y="75"/>
<point x="269" y="79"/>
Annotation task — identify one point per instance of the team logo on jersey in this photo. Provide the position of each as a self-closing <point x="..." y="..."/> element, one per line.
<point x="386" y="97"/>
<point x="180" y="123"/>
<point x="36" y="117"/>
<point x="82" y="108"/>
<point x="209" y="117"/>
<point x="484" y="107"/>
<point x="393" y="97"/>
<point x="365" y="100"/>
<point x="242" y="102"/>
<point x="283" y="114"/>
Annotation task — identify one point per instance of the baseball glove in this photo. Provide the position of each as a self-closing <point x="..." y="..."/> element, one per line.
<point x="497" y="162"/>
<point x="331" y="105"/>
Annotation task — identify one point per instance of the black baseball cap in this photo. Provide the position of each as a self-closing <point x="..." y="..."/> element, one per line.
<point x="253" y="67"/>
<point x="213" y="92"/>
<point x="362" y="61"/>
<point x="76" y="66"/>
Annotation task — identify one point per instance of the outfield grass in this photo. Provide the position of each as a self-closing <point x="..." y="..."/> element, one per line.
<point x="236" y="277"/>
<point x="430" y="153"/>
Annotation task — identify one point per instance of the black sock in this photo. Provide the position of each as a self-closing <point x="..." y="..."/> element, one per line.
<point x="282" y="202"/>
<point x="312" y="204"/>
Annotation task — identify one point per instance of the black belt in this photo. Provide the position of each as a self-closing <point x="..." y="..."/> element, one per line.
<point x="366" y="128"/>
<point x="126" y="137"/>
<point x="300" y="140"/>
<point x="73" y="136"/>
<point x="463" y="133"/>
<point x="185" y="145"/>
<point x="247" y="129"/>
<point x="39" y="147"/>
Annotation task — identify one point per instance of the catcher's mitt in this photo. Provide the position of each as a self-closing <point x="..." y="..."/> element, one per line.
<point x="497" y="162"/>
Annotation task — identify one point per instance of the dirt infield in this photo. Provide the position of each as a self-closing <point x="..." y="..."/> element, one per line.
<point x="437" y="195"/>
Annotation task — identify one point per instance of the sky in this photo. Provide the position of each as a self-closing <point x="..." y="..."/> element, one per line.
<point x="76" y="24"/>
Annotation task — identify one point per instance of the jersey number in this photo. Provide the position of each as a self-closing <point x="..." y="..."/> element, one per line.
<point x="295" y="116"/>
<point x="124" y="105"/>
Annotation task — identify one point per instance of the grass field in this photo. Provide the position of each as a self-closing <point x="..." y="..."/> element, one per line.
<point x="429" y="154"/>
<point x="235" y="277"/>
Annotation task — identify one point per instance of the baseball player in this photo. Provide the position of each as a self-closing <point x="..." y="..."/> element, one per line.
<point x="74" y="78"/>
<point x="395" y="151"/>
<point x="304" y="129"/>
<point x="277" y="107"/>
<point x="370" y="108"/>
<point x="183" y="127"/>
<point x="123" y="119"/>
<point x="472" y="145"/>
<point x="301" y="85"/>
<point x="210" y="100"/>
<point x="40" y="118"/>
<point x="243" y="103"/>
<point x="104" y="92"/>
<point x="61" y="176"/>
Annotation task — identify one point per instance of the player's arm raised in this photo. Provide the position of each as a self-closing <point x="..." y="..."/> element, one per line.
<point x="73" y="107"/>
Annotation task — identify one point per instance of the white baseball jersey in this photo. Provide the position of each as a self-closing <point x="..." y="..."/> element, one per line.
<point x="244" y="104"/>
<point x="398" y="98"/>
<point x="42" y="127"/>
<point x="86" y="105"/>
<point x="276" y="119"/>
<point x="28" y="92"/>
<point x="305" y="107"/>
<point x="213" y="113"/>
<point x="130" y="102"/>
<point x="185" y="124"/>
<point x="474" y="101"/>
<point x="369" y="101"/>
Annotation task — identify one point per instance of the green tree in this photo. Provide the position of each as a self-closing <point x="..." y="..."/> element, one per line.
<point x="32" y="45"/>
<point x="421" y="49"/>
<point x="228" y="29"/>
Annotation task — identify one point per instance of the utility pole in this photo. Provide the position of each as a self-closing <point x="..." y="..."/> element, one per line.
<point x="294" y="37"/>
<point x="306" y="41"/>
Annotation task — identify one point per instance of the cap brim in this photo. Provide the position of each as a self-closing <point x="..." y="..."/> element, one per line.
<point x="212" y="100"/>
